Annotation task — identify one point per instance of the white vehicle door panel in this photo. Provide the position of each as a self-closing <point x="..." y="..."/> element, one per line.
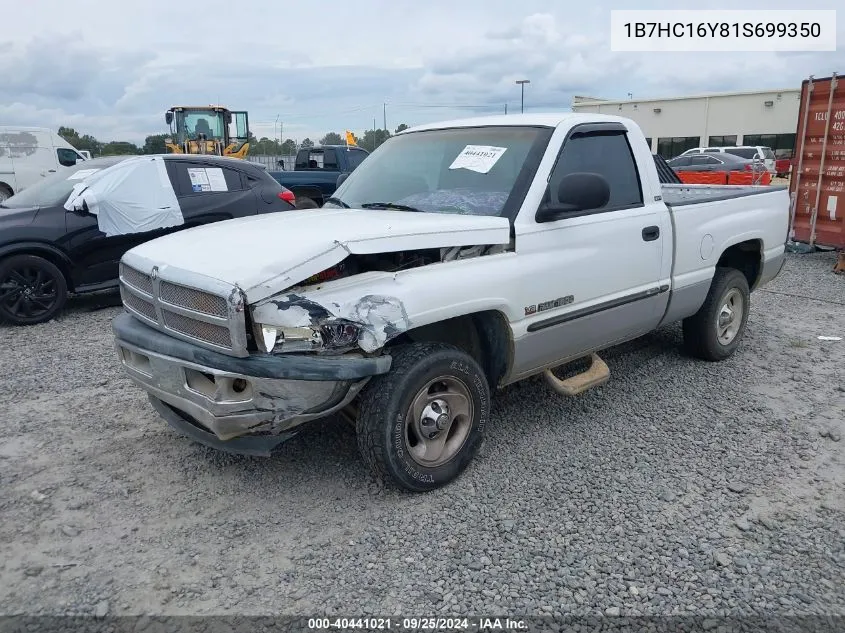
<point x="602" y="276"/>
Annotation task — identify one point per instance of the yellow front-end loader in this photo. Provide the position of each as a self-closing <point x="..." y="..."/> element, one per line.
<point x="207" y="130"/>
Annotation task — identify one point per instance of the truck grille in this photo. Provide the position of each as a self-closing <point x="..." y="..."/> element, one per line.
<point x="196" y="315"/>
<point x="196" y="300"/>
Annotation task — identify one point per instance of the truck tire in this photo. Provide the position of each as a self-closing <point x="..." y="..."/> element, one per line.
<point x="421" y="424"/>
<point x="715" y="331"/>
<point x="32" y="290"/>
<point x="306" y="203"/>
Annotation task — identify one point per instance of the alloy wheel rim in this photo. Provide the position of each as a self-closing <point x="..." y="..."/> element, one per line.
<point x="729" y="317"/>
<point x="438" y="421"/>
<point x="28" y="292"/>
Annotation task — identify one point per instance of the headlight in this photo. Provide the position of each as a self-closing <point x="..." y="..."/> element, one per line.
<point x="331" y="335"/>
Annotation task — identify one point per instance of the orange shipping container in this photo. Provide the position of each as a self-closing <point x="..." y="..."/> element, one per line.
<point x="817" y="187"/>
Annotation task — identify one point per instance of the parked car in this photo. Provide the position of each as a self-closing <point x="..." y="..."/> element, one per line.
<point x="478" y="253"/>
<point x="714" y="162"/>
<point x="48" y="250"/>
<point x="316" y="172"/>
<point x="28" y="154"/>
<point x="750" y="152"/>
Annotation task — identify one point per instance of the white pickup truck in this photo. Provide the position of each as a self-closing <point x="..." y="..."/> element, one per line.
<point x="457" y="259"/>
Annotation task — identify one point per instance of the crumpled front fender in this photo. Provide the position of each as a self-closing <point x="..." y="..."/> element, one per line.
<point x="379" y="317"/>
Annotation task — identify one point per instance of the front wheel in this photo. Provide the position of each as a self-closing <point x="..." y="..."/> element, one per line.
<point x="32" y="290"/>
<point x="715" y="331"/>
<point x="420" y="425"/>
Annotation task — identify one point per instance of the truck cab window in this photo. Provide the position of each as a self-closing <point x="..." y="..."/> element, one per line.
<point x="606" y="154"/>
<point x="330" y="159"/>
<point x="354" y="157"/>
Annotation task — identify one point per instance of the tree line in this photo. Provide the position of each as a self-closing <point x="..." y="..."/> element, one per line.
<point x="154" y="143"/>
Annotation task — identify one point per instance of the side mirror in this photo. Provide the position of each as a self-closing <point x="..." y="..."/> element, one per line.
<point x="168" y="117"/>
<point x="342" y="178"/>
<point x="580" y="191"/>
<point x="82" y="212"/>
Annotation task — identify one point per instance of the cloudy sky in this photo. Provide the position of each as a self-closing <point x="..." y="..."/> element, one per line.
<point x="111" y="69"/>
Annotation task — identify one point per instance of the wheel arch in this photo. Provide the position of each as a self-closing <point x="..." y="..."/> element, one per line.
<point x="47" y="251"/>
<point x="746" y="257"/>
<point x="485" y="335"/>
<point x="307" y="192"/>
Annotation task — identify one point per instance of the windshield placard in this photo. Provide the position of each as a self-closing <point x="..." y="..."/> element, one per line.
<point x="479" y="158"/>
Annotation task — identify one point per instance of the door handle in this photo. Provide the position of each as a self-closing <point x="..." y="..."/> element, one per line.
<point x="651" y="233"/>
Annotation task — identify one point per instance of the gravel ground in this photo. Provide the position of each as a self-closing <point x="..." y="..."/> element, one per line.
<point x="680" y="487"/>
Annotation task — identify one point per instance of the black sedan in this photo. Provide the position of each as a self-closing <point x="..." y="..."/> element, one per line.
<point x="49" y="247"/>
<point x="721" y="161"/>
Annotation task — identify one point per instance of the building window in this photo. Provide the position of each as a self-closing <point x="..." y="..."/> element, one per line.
<point x="722" y="141"/>
<point x="781" y="144"/>
<point x="674" y="145"/>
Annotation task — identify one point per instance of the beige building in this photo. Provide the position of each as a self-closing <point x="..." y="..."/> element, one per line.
<point x="675" y="124"/>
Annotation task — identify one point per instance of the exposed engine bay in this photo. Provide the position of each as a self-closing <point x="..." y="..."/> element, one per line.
<point x="394" y="262"/>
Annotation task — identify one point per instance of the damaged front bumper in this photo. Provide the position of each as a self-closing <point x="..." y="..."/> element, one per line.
<point x="241" y="405"/>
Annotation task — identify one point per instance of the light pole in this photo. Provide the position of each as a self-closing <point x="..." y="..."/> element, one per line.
<point x="521" y="83"/>
<point x="275" y="125"/>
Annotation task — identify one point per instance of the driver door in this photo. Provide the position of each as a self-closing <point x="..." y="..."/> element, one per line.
<point x="596" y="277"/>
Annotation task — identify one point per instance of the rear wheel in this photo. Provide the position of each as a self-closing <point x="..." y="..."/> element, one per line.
<point x="306" y="203"/>
<point x="5" y="192"/>
<point x="420" y="425"/>
<point x="715" y="331"/>
<point x="32" y="290"/>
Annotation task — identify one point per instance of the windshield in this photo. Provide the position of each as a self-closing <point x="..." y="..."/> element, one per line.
<point x="56" y="188"/>
<point x="461" y="170"/>
<point x="192" y="123"/>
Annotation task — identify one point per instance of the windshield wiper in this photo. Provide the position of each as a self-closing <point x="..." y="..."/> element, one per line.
<point x="337" y="201"/>
<point x="389" y="205"/>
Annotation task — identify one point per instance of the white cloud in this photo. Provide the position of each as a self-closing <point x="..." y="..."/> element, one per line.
<point x="112" y="69"/>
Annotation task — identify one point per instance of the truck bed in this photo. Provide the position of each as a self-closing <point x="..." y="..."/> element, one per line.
<point x="680" y="195"/>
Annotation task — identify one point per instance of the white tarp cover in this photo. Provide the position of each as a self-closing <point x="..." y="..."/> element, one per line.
<point x="133" y="196"/>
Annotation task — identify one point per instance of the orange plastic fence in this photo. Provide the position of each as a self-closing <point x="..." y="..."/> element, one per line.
<point x="703" y="177"/>
<point x="741" y="178"/>
<point x="748" y="178"/>
<point x="723" y="178"/>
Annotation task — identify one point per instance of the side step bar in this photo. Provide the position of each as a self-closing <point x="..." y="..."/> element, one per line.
<point x="597" y="374"/>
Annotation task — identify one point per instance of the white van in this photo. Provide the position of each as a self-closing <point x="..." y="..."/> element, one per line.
<point x="751" y="152"/>
<point x="28" y="154"/>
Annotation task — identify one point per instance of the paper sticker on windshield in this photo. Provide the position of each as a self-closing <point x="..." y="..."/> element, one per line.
<point x="216" y="180"/>
<point x="199" y="179"/>
<point x="480" y="158"/>
<point x="82" y="173"/>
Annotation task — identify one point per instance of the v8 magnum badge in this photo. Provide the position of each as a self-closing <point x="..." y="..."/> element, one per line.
<point x="548" y="305"/>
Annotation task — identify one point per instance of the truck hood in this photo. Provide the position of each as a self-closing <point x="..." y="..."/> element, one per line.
<point x="266" y="254"/>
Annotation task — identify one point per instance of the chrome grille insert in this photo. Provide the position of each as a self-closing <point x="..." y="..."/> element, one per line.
<point x="194" y="314"/>
<point x="216" y="334"/>
<point x="192" y="299"/>
<point x="137" y="279"/>
<point x="142" y="306"/>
